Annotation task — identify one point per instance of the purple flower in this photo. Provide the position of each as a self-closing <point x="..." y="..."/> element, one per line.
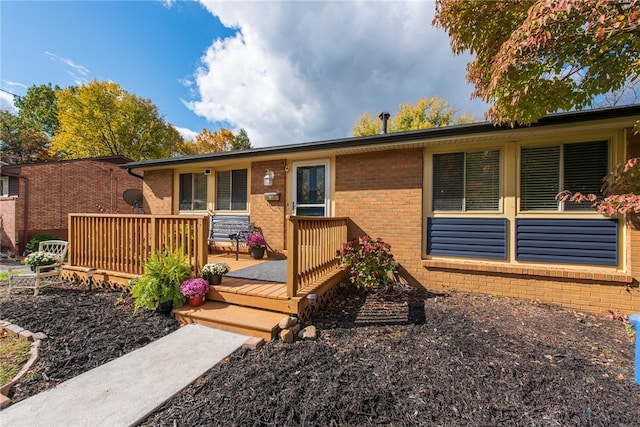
<point x="197" y="286"/>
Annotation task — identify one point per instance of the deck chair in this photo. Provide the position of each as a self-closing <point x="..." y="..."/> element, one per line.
<point x="44" y="275"/>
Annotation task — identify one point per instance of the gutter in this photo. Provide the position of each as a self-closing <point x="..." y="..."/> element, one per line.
<point x="130" y="172"/>
<point x="632" y="111"/>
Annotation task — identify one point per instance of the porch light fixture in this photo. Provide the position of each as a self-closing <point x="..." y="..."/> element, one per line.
<point x="268" y="178"/>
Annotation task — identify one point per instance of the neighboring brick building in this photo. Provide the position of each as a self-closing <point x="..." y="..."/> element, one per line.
<point x="468" y="207"/>
<point x="36" y="197"/>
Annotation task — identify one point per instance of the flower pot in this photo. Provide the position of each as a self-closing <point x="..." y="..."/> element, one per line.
<point x="196" y="300"/>
<point x="165" y="307"/>
<point x="256" y="253"/>
<point x="213" y="279"/>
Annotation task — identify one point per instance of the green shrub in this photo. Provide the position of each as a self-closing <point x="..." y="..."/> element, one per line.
<point x="163" y="274"/>
<point x="33" y="244"/>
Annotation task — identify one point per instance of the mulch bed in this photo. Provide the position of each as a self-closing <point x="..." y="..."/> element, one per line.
<point x="411" y="358"/>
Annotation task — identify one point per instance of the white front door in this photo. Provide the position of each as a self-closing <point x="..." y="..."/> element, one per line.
<point x="311" y="188"/>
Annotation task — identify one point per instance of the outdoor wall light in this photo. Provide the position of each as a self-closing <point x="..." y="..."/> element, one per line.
<point x="268" y="178"/>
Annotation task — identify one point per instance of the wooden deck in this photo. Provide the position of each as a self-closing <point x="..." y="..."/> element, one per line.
<point x="251" y="307"/>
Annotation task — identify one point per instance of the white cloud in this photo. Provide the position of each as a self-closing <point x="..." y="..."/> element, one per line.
<point x="304" y="71"/>
<point x="187" y="134"/>
<point x="78" y="72"/>
<point x="6" y="103"/>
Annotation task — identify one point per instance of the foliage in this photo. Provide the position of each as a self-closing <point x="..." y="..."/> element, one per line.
<point x="255" y="240"/>
<point x="38" y="109"/>
<point x="102" y="119"/>
<point x="241" y="141"/>
<point x="193" y="287"/>
<point x="538" y="56"/>
<point x="163" y="274"/>
<point x="34" y="243"/>
<point x="38" y="258"/>
<point x="20" y="145"/>
<point x="426" y="113"/>
<point x="368" y="262"/>
<point x="220" y="268"/>
<point x="621" y="188"/>
<point x="215" y="142"/>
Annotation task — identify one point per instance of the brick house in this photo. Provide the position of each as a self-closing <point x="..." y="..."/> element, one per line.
<point x="36" y="197"/>
<point x="469" y="207"/>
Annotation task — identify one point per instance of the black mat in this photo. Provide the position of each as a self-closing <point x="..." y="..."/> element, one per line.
<point x="270" y="271"/>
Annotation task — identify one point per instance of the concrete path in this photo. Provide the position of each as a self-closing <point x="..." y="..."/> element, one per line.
<point x="126" y="390"/>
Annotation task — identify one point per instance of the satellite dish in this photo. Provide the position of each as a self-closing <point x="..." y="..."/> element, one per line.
<point x="133" y="197"/>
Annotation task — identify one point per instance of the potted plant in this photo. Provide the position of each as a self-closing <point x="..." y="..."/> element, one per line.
<point x="38" y="258"/>
<point x="257" y="245"/>
<point x="195" y="290"/>
<point x="159" y="287"/>
<point x="213" y="272"/>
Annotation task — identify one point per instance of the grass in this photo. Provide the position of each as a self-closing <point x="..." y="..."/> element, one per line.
<point x="4" y="276"/>
<point x="14" y="351"/>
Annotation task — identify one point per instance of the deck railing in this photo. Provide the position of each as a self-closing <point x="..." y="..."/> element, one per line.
<point x="313" y="242"/>
<point x="124" y="243"/>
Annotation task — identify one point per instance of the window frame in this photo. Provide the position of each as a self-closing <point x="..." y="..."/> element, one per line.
<point x="464" y="210"/>
<point x="215" y="190"/>
<point x="560" y="206"/>
<point x="179" y="190"/>
<point x="4" y="182"/>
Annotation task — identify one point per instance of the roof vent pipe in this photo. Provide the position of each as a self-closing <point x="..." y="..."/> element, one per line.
<point x="384" y="116"/>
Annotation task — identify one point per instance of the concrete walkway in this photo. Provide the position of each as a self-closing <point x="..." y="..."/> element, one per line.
<point x="126" y="390"/>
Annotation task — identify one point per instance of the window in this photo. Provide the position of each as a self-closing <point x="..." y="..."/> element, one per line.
<point x="231" y="190"/>
<point x="193" y="192"/>
<point x="466" y="181"/>
<point x="4" y="186"/>
<point x="546" y="171"/>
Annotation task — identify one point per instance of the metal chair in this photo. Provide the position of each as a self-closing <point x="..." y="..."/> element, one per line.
<point x="44" y="275"/>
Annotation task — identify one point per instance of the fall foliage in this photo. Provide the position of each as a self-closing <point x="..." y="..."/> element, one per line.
<point x="534" y="57"/>
<point x="426" y="113"/>
<point x="102" y="119"/>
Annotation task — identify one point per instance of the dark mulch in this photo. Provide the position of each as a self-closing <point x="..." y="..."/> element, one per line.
<point x="409" y="359"/>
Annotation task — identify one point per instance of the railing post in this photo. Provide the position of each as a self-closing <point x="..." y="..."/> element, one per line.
<point x="70" y="238"/>
<point x="202" y="233"/>
<point x="293" y="255"/>
<point x="153" y="238"/>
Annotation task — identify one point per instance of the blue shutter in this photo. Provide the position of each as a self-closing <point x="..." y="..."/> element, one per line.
<point x="467" y="237"/>
<point x="571" y="241"/>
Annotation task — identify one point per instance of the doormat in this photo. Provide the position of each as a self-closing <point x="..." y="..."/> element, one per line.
<point x="268" y="271"/>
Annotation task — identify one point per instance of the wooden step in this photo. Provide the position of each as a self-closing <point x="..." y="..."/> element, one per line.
<point x="232" y="318"/>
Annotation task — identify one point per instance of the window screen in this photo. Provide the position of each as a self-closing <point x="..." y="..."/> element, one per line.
<point x="231" y="190"/>
<point x="193" y="192"/>
<point x="466" y="181"/>
<point x="545" y="171"/>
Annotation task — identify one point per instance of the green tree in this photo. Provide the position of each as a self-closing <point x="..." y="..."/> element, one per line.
<point x="102" y="119"/>
<point x="20" y="145"/>
<point x="38" y="109"/>
<point x="241" y="141"/>
<point x="426" y="113"/>
<point x="533" y="57"/>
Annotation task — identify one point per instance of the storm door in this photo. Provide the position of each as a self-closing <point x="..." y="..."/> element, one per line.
<point x="311" y="188"/>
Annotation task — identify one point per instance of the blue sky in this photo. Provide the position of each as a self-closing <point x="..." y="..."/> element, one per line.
<point x="287" y="72"/>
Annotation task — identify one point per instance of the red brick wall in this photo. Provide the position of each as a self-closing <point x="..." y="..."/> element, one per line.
<point x="7" y="223"/>
<point x="381" y="193"/>
<point x="158" y="192"/>
<point x="53" y="190"/>
<point x="269" y="216"/>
